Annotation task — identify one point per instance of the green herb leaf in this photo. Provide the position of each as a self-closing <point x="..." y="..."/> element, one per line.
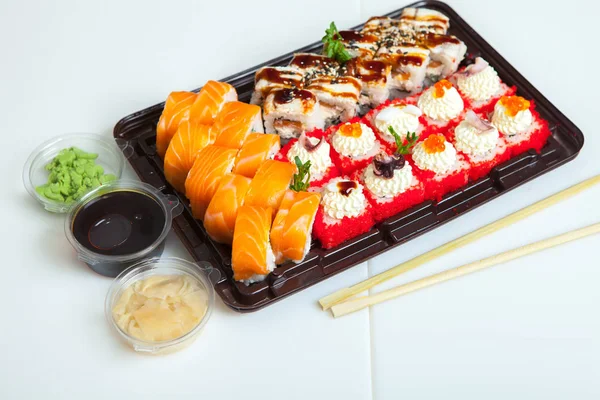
<point x="301" y="180"/>
<point x="333" y="46"/>
<point x="404" y="148"/>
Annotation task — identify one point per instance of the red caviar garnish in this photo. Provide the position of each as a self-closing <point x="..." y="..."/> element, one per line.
<point x="514" y="104"/>
<point x="350" y="130"/>
<point x="440" y="88"/>
<point x="434" y="144"/>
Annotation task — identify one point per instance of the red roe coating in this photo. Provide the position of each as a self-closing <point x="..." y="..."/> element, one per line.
<point x="332" y="235"/>
<point x="436" y="188"/>
<point x="537" y="140"/>
<point x="383" y="209"/>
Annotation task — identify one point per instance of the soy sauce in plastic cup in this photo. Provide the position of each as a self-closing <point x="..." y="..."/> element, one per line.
<point x="119" y="224"/>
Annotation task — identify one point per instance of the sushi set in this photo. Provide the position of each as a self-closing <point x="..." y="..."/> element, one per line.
<point x="297" y="169"/>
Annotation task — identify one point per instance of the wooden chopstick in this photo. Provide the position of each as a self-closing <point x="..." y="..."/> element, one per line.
<point x="359" y="303"/>
<point x="343" y="294"/>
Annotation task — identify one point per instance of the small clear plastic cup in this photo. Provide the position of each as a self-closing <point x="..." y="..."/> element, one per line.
<point x="111" y="156"/>
<point x="202" y="273"/>
<point x="113" y="265"/>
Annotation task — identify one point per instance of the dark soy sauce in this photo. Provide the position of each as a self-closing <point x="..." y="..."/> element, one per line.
<point x="119" y="223"/>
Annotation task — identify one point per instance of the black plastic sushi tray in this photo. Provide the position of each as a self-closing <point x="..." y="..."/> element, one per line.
<point x="139" y="129"/>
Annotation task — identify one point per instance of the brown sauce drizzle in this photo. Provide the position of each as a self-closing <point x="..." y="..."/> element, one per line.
<point x="434" y="39"/>
<point x="284" y="96"/>
<point x="346" y="187"/>
<point x="276" y="76"/>
<point x="311" y="61"/>
<point x="376" y="70"/>
<point x="348" y="36"/>
<point x="412" y="60"/>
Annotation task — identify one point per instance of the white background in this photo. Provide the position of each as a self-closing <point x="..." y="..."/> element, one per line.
<point x="529" y="329"/>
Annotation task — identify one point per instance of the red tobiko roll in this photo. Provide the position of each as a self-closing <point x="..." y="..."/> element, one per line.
<point x="383" y="208"/>
<point x="439" y="166"/>
<point x="536" y="135"/>
<point x="380" y="184"/>
<point x="344" y="213"/>
<point x="318" y="151"/>
<point x="474" y="83"/>
<point x="480" y="143"/>
<point x="442" y="106"/>
<point x="331" y="233"/>
<point x="479" y="169"/>
<point x="437" y="186"/>
<point x="400" y="117"/>
<point x="488" y="106"/>
<point x="353" y="145"/>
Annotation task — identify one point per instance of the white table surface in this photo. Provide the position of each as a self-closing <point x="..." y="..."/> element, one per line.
<point x="525" y="330"/>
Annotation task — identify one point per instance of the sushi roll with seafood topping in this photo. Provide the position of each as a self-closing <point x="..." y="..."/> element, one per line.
<point x="211" y="164"/>
<point x="519" y="123"/>
<point x="293" y="224"/>
<point x="481" y="144"/>
<point x="480" y="86"/>
<point x="190" y="138"/>
<point x="211" y="99"/>
<point x="289" y="112"/>
<point x="409" y="63"/>
<point x="424" y="19"/>
<point x="269" y="184"/>
<point x="257" y="148"/>
<point x="439" y="166"/>
<point x="358" y="44"/>
<point x="252" y="257"/>
<point x="177" y="109"/>
<point x="446" y="53"/>
<point x="380" y="26"/>
<point x="396" y="118"/>
<point x="344" y="213"/>
<point x="442" y="105"/>
<point x="235" y="122"/>
<point x="220" y="216"/>
<point x="269" y="78"/>
<point x="354" y="145"/>
<point x="313" y="65"/>
<point x="311" y="147"/>
<point x="337" y="95"/>
<point x="375" y="77"/>
<point x="390" y="185"/>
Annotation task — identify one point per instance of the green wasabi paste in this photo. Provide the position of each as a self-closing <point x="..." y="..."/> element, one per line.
<point x="73" y="173"/>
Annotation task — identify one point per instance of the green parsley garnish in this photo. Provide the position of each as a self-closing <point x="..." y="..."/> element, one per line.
<point x="411" y="140"/>
<point x="301" y="180"/>
<point x="333" y="46"/>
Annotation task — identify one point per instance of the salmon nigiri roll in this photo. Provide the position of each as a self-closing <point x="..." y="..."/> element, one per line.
<point x="219" y="219"/>
<point x="251" y="255"/>
<point x="292" y="227"/>
<point x="191" y="137"/>
<point x="211" y="164"/>
<point x="271" y="181"/>
<point x="211" y="99"/>
<point x="235" y="122"/>
<point x="177" y="109"/>
<point x="257" y="148"/>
